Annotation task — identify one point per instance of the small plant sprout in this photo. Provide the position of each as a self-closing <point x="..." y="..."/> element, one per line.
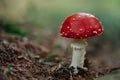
<point x="80" y="26"/>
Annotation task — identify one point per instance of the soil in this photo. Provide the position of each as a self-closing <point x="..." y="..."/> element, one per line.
<point x="23" y="59"/>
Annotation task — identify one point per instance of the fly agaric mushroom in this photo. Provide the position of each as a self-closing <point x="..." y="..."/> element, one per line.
<point x="80" y="26"/>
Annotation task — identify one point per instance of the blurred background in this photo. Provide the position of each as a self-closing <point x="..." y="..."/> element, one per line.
<point x="50" y="14"/>
<point x="44" y="17"/>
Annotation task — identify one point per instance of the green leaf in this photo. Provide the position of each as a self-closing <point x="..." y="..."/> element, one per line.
<point x="10" y="67"/>
<point x="50" y="58"/>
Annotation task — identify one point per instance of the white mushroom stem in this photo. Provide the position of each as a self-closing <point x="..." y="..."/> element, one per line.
<point x="79" y="51"/>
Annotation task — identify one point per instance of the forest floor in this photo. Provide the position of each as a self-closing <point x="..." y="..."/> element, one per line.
<point x="22" y="58"/>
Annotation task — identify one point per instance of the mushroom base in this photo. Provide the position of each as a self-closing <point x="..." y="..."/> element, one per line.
<point x="79" y="51"/>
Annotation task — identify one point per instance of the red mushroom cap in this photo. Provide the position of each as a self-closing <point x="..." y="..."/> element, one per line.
<point x="80" y="26"/>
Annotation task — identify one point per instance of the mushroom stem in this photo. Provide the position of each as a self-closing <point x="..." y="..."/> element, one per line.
<point x="79" y="51"/>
